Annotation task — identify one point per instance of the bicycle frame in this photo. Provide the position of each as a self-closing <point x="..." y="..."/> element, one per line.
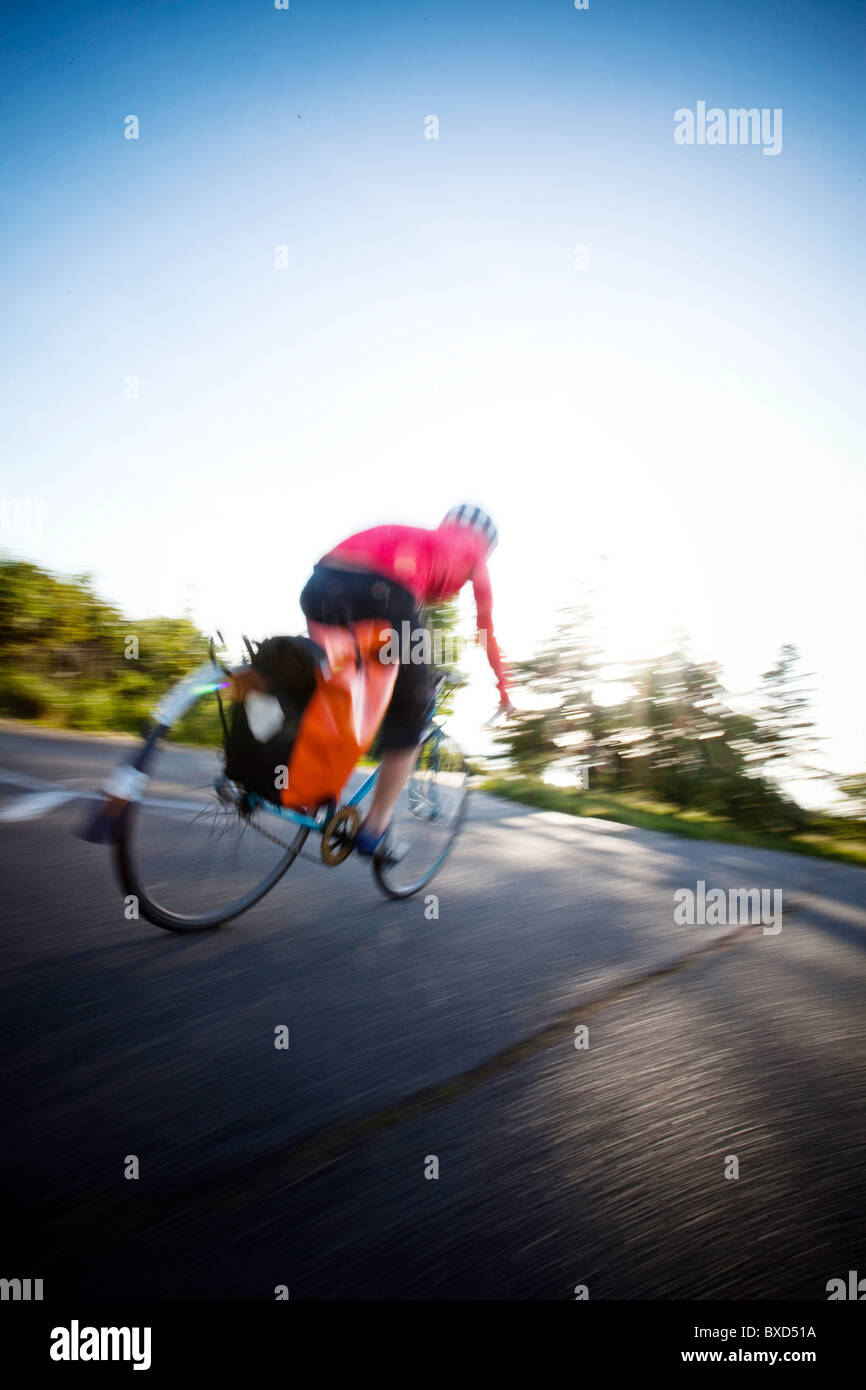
<point x="127" y="782"/>
<point x="311" y="822"/>
<point x="319" y="822"/>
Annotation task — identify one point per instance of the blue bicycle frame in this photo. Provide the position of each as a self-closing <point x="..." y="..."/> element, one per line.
<point x="319" y="821"/>
<point x="311" y="822"/>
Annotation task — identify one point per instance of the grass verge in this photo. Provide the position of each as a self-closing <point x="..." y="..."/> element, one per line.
<point x="824" y="841"/>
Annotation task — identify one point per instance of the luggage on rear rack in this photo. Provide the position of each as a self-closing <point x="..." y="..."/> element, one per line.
<point x="296" y="740"/>
<point x="340" y="720"/>
<point x="264" y="725"/>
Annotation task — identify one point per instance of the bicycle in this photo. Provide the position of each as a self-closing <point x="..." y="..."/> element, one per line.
<point x="196" y="854"/>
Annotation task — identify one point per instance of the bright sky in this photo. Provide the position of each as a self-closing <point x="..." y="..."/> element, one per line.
<point x="677" y="423"/>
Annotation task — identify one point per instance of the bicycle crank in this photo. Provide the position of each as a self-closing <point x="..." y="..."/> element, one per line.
<point x="339" y="833"/>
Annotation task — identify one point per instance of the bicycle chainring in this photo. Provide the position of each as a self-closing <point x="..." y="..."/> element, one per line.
<point x="339" y="834"/>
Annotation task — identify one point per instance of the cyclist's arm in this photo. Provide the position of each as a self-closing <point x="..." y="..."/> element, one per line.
<point x="484" y="610"/>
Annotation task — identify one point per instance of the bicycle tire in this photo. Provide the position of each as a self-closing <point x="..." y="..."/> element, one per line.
<point x="181" y="922"/>
<point x="149" y="849"/>
<point x="389" y="876"/>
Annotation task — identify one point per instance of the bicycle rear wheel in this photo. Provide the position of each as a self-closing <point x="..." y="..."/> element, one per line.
<point x="427" y="817"/>
<point x="188" y="849"/>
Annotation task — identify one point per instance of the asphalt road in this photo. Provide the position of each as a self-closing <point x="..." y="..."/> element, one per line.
<point x="415" y="1039"/>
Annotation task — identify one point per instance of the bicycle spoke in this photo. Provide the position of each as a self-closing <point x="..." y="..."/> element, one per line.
<point x="427" y="817"/>
<point x="187" y="851"/>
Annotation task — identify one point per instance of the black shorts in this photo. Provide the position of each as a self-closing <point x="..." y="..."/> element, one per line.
<point x="338" y="597"/>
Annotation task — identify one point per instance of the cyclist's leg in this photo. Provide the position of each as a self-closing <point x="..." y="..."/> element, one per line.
<point x="337" y="597"/>
<point x="399" y="741"/>
<point x="394" y="770"/>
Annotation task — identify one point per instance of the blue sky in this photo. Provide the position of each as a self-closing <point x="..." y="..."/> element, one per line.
<point x="677" y="423"/>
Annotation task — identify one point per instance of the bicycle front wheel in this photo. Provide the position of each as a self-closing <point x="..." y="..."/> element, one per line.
<point x="428" y="816"/>
<point x="189" y="852"/>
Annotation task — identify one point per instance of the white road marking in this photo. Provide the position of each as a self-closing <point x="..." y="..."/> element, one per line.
<point x="45" y="796"/>
<point x="18" y="779"/>
<point x="35" y="805"/>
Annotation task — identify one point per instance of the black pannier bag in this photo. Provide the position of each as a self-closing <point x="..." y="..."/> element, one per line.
<point x="289" y="665"/>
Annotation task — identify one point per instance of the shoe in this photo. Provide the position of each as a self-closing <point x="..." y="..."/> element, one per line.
<point x="367" y="844"/>
<point x="389" y="850"/>
<point x="383" y="848"/>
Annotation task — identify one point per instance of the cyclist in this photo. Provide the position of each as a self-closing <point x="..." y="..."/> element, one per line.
<point x="388" y="572"/>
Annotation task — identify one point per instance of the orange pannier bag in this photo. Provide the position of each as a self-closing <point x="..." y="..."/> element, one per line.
<point x="342" y="715"/>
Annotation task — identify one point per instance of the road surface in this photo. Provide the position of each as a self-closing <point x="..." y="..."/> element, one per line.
<point x="419" y="1044"/>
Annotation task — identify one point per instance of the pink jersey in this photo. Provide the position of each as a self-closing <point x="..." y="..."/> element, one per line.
<point x="432" y="565"/>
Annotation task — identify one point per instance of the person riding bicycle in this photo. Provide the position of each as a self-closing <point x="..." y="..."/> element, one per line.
<point x="389" y="572"/>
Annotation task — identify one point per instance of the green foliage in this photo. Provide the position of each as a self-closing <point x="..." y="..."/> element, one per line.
<point x="674" y="738"/>
<point x="442" y="615"/>
<point x="442" y="619"/>
<point x="854" y="788"/>
<point x="784" y="728"/>
<point x="528" y="742"/>
<point x="826" y="836"/>
<point x="24" y="694"/>
<point x="201" y="725"/>
<point x="67" y="658"/>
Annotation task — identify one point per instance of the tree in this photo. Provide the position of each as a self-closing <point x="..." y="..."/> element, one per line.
<point x="785" y="730"/>
<point x="527" y="743"/>
<point x="673" y="736"/>
<point x="565" y="674"/>
<point x="854" y="787"/>
<point x="64" y="652"/>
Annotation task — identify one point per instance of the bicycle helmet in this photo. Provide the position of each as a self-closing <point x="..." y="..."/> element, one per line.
<point x="475" y="518"/>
